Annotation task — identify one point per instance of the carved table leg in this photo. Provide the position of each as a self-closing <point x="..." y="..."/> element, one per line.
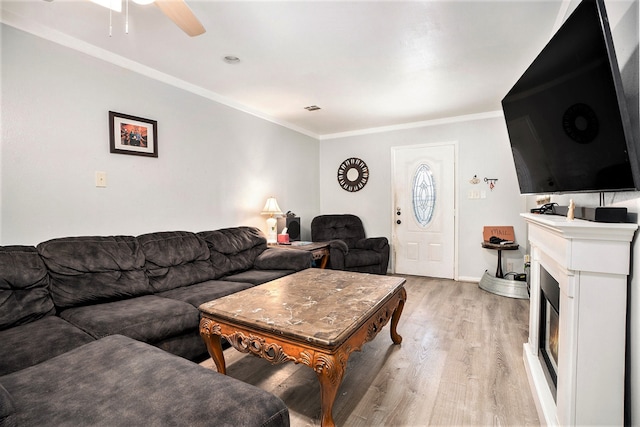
<point x="395" y="337"/>
<point x="330" y="373"/>
<point x="213" y="343"/>
<point x="323" y="262"/>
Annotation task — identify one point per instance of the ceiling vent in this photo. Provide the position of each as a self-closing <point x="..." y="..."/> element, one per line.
<point x="230" y="59"/>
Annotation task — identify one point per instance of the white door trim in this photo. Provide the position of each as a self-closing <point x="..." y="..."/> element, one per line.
<point x="456" y="201"/>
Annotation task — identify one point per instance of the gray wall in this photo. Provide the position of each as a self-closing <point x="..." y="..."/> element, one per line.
<point x="216" y="165"/>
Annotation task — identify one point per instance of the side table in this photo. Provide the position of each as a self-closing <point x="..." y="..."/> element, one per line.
<point x="498" y="284"/>
<point x="319" y="250"/>
<point x="498" y="247"/>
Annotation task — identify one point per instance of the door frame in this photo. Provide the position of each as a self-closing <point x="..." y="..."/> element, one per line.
<point x="456" y="216"/>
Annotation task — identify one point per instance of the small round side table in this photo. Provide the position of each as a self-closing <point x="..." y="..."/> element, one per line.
<point x="498" y="247"/>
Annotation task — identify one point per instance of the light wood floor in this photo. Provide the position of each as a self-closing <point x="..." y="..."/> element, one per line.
<point x="460" y="363"/>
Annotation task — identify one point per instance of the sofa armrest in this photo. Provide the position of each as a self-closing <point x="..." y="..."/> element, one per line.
<point x="338" y="245"/>
<point x="283" y="259"/>
<point x="372" y="243"/>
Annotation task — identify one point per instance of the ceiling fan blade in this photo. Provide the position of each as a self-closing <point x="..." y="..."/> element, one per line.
<point x="180" y="13"/>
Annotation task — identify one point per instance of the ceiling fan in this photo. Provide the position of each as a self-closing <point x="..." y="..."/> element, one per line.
<point x="176" y="10"/>
<point x="180" y="13"/>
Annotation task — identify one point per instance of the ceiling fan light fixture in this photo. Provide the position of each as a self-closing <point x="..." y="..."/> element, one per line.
<point x="143" y="2"/>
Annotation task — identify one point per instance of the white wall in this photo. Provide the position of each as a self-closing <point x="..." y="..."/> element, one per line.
<point x="483" y="150"/>
<point x="216" y="165"/>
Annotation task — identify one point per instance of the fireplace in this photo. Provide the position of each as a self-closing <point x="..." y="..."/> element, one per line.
<point x="549" y="331"/>
<point x="575" y="353"/>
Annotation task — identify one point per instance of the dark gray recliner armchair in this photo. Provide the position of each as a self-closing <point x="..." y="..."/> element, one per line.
<point x="350" y="249"/>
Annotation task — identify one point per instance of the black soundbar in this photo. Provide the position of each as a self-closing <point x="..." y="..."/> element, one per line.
<point x="598" y="214"/>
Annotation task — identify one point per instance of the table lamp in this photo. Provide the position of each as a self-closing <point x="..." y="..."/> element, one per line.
<point x="271" y="208"/>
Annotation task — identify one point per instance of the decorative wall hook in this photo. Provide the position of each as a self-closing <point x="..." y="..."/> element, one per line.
<point x="491" y="182"/>
<point x="475" y="180"/>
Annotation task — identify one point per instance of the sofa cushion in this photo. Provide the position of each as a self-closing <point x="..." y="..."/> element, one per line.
<point x="148" y="318"/>
<point x="283" y="259"/>
<point x="32" y="343"/>
<point x="258" y="277"/>
<point x="24" y="286"/>
<point x="204" y="292"/>
<point x="117" y="381"/>
<point x="175" y="258"/>
<point x="7" y="409"/>
<point x="373" y="243"/>
<point x="234" y="249"/>
<point x="87" y="270"/>
<point x="362" y="257"/>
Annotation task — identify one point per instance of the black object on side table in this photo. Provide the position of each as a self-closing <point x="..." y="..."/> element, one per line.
<point x="500" y="247"/>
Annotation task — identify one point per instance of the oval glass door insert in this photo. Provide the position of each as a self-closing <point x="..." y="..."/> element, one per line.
<point x="423" y="195"/>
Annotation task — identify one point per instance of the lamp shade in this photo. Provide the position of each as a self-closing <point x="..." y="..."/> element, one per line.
<point x="271" y="207"/>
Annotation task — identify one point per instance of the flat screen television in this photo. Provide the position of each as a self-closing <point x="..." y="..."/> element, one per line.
<point x="566" y="116"/>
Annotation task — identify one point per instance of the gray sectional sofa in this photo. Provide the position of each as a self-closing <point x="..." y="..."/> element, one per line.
<point x="100" y="330"/>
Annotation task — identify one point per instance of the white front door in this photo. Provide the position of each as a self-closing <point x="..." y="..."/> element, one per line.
<point x="424" y="210"/>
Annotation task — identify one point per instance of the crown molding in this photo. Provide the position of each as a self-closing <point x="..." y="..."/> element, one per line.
<point x="62" y="39"/>
<point x="413" y="125"/>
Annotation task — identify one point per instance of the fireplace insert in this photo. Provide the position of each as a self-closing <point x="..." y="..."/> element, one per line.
<point x="549" y="328"/>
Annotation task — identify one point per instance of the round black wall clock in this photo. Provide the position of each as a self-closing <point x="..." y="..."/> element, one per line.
<point x="353" y="174"/>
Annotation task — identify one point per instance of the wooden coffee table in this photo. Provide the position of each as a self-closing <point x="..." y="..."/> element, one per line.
<point x="315" y="317"/>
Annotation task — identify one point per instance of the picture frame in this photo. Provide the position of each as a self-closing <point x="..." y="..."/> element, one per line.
<point x="132" y="135"/>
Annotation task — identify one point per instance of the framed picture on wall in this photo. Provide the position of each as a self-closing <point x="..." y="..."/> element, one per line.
<point x="133" y="135"/>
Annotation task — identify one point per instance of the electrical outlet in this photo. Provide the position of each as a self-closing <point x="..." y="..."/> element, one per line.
<point x="509" y="266"/>
<point x="527" y="258"/>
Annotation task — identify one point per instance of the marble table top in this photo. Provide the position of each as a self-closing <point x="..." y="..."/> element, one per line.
<point x="318" y="306"/>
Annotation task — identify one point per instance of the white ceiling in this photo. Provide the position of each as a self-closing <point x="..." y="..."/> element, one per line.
<point x="366" y="64"/>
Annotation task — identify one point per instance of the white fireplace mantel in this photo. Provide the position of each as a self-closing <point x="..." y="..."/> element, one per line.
<point x="590" y="261"/>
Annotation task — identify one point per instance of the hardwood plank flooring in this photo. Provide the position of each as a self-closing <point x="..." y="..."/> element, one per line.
<point x="460" y="363"/>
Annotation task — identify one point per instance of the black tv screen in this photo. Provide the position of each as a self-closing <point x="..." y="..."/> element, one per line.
<point x="566" y="116"/>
